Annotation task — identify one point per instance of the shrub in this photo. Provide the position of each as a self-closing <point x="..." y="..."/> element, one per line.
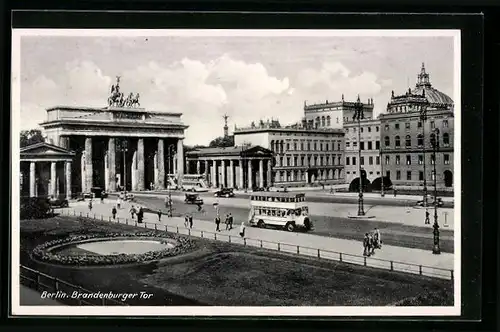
<point x="34" y="207"/>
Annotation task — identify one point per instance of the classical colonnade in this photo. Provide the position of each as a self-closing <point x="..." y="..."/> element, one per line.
<point x="233" y="172"/>
<point x="56" y="168"/>
<point x="138" y="154"/>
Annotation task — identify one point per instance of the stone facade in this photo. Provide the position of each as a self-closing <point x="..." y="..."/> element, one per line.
<point x="302" y="155"/>
<point x="118" y="148"/>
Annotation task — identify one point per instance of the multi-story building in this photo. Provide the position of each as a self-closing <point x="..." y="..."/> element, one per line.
<point x="406" y="150"/>
<point x="335" y="114"/>
<point x="369" y="129"/>
<point x="303" y="155"/>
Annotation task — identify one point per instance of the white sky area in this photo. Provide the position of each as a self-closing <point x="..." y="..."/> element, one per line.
<point x="249" y="78"/>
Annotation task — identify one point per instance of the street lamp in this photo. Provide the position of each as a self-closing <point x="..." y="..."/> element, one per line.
<point x="124" y="150"/>
<point x="382" y="186"/>
<point x="435" y="146"/>
<point x="423" y="119"/>
<point x="358" y="114"/>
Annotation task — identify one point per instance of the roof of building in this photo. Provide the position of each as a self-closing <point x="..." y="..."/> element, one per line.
<point x="46" y="151"/>
<point x="433" y="95"/>
<point x="278" y="194"/>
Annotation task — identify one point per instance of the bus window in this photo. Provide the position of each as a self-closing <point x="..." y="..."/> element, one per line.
<point x="305" y="209"/>
<point x="269" y="213"/>
<point x="298" y="212"/>
<point x="273" y="213"/>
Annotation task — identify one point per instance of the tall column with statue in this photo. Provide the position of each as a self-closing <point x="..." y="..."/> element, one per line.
<point x="140" y="164"/>
<point x="89" y="173"/>
<point x="180" y="159"/>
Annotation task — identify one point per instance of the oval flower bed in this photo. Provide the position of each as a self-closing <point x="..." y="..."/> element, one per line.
<point x="44" y="252"/>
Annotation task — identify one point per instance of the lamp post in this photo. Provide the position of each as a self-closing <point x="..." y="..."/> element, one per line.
<point x="423" y="118"/>
<point x="358" y="114"/>
<point x="435" y="146"/>
<point x="382" y="186"/>
<point x="124" y="150"/>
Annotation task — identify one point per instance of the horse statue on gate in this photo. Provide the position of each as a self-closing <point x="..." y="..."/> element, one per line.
<point x="134" y="102"/>
<point x="128" y="100"/>
<point x="116" y="95"/>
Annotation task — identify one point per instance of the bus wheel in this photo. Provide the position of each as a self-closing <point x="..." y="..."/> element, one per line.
<point x="261" y="224"/>
<point x="290" y="227"/>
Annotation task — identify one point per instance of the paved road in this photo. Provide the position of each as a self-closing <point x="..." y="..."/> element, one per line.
<point x="330" y="247"/>
<point x="396" y="234"/>
<point x="345" y="198"/>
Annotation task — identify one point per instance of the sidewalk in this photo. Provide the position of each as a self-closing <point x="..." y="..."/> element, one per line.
<point x="290" y="241"/>
<point x="28" y="296"/>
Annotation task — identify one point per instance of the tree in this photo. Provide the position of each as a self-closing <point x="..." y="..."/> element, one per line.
<point x="222" y="142"/>
<point x="31" y="136"/>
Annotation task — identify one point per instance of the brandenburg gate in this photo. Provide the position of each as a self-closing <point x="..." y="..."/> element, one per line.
<point x="121" y="146"/>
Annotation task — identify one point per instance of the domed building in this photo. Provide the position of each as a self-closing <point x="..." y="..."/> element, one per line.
<point x="411" y="121"/>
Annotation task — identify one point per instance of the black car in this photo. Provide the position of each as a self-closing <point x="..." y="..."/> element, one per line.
<point x="58" y="202"/>
<point x="193" y="199"/>
<point x="258" y="189"/>
<point x="224" y="192"/>
<point x="98" y="192"/>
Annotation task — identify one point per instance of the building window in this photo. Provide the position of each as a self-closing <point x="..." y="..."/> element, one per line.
<point x="377" y="145"/>
<point x="315" y="146"/>
<point x="288" y="146"/>
<point x="420" y="159"/>
<point x="295" y="146"/>
<point x="272" y="146"/>
<point x="433" y="175"/>
<point x="388" y="174"/>
<point x="354" y="161"/>
<point x="408" y="160"/>
<point x="328" y="123"/>
<point x="433" y="125"/>
<point x="288" y="161"/>
<point x="338" y="158"/>
<point x="370" y="145"/>
<point x="361" y="129"/>
<point x="281" y="161"/>
<point x="408" y="175"/>
<point x="337" y="119"/>
<point x="419" y="124"/>
<point x="432" y="139"/>
<point x="396" y="126"/>
<point x="301" y="146"/>
<point x="420" y="140"/>
<point x="398" y="141"/>
<point x="386" y="127"/>
<point x="321" y="161"/>
<point x="327" y="160"/>
<point x="377" y="129"/>
<point x="355" y="144"/>
<point x="362" y="161"/>
<point x="308" y="146"/>
<point x="387" y="160"/>
<point x="326" y="147"/>
<point x="295" y="160"/>
<point x="338" y="146"/>
<point x="377" y="160"/>
<point x="362" y="145"/>
<point x="408" y="141"/>
<point x="398" y="160"/>
<point x="322" y="121"/>
<point x="445" y="123"/>
<point x="347" y="144"/>
<point x="321" y="146"/>
<point x="446" y="159"/>
<point x="302" y="161"/>
<point x="446" y="139"/>
<point x="398" y="175"/>
<point x="421" y="176"/>
<point x="370" y="160"/>
<point x="432" y="159"/>
<point x="387" y="142"/>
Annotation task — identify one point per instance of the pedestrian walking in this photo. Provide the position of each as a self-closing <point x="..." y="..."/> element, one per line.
<point x="395" y="192"/>
<point x="102" y="199"/>
<point x="366" y="244"/>
<point x="217" y="224"/>
<point x="140" y="215"/>
<point x="227" y="222"/>
<point x="90" y="205"/>
<point x="166" y="201"/>
<point x="230" y="221"/>
<point x="132" y="212"/>
<point x="159" y="215"/>
<point x="191" y="221"/>
<point x="118" y="202"/>
<point x="377" y="239"/>
<point x="371" y="244"/>
<point x="427" y="218"/>
<point x="186" y="220"/>
<point x="242" y="229"/>
<point x="113" y="212"/>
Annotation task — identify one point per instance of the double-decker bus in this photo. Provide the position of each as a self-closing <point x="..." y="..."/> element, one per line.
<point x="194" y="182"/>
<point x="280" y="209"/>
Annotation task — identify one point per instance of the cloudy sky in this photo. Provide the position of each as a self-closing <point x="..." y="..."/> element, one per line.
<point x="249" y="78"/>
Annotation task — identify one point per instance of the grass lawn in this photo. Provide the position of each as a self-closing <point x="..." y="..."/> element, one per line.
<point x="225" y="274"/>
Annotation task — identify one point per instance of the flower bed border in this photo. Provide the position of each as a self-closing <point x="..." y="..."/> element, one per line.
<point x="43" y="252"/>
